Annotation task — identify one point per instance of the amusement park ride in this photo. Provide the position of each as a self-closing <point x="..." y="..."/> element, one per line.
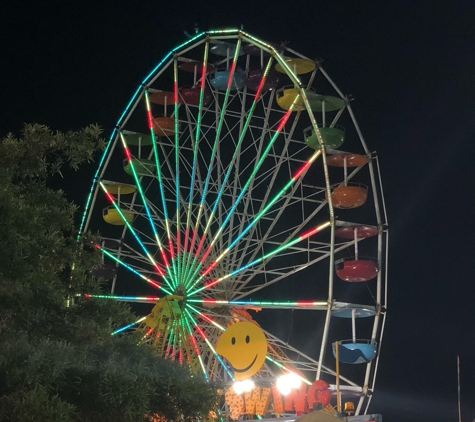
<point x="237" y="167"/>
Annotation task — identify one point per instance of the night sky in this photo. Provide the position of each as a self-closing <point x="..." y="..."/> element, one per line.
<point x="410" y="66"/>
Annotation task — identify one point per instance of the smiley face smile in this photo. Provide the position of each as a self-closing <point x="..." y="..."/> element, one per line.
<point x="247" y="367"/>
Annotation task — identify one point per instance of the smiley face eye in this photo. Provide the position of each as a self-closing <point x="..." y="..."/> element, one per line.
<point x="233" y="340"/>
<point x="248" y="339"/>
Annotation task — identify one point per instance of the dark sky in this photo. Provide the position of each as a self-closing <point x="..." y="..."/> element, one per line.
<point x="410" y="66"/>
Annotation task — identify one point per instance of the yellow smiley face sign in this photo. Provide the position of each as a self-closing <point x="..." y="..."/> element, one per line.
<point x="244" y="345"/>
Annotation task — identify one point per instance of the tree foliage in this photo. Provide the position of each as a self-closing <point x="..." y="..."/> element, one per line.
<point x="59" y="362"/>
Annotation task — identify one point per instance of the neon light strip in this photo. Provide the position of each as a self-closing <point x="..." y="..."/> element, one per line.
<point x="243" y="191"/>
<point x="238" y="144"/>
<point x="144" y="200"/>
<point x="223" y="31"/>
<point x="149" y="331"/>
<point x="177" y="170"/>
<point x="148" y="280"/>
<point x="197" y="350"/>
<point x="146" y="80"/>
<point x="204" y="316"/>
<point x="280" y="304"/>
<point x="171" y="341"/>
<point x="218" y="132"/>
<point x="160" y="182"/>
<point x="195" y="323"/>
<point x="151" y="299"/>
<point x="264" y="257"/>
<point x="128" y="326"/>
<point x="195" y="151"/>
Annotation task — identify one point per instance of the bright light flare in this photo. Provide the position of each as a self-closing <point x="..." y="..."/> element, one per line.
<point x="287" y="382"/>
<point x="243" y="386"/>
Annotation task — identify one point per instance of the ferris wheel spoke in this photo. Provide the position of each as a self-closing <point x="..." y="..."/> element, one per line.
<point x="132" y="299"/>
<point x="160" y="182"/>
<point x="131" y="229"/>
<point x="179" y="256"/>
<point x="196" y="139"/>
<point x="263" y="304"/>
<point x="205" y="317"/>
<point x="282" y="275"/>
<point x="250" y="200"/>
<point x="196" y="348"/>
<point x="265" y="257"/>
<point x="205" y="338"/>
<point x="126" y="327"/>
<point x="131" y="269"/>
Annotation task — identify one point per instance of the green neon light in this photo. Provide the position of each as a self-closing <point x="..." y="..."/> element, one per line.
<point x="160" y="182"/>
<point x="148" y="280"/>
<point x="147" y="209"/>
<point x="195" y="323"/>
<point x="195" y="153"/>
<point x="266" y="256"/>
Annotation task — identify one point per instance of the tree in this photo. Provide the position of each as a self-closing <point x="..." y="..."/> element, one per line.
<point x="59" y="362"/>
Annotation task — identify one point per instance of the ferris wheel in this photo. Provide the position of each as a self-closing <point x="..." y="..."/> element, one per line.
<point x="237" y="184"/>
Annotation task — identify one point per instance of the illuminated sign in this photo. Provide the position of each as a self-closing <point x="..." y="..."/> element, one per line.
<point x="257" y="401"/>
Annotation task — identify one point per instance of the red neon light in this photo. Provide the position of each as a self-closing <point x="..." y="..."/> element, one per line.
<point x="127" y="153"/>
<point x="175" y="91"/>
<point x="309" y="233"/>
<point x="301" y="170"/>
<point x="154" y="283"/>
<point x="209" y="300"/>
<point x="159" y="270"/>
<point x="199" y="248"/>
<point x="110" y="197"/>
<point x="211" y="266"/>
<point x="284" y="120"/>
<point x="231" y="74"/>
<point x="206" y="317"/>
<point x="150" y="119"/>
<point x="211" y="283"/>
<point x="170" y="245"/>
<point x="304" y="302"/>
<point x="194" y="344"/>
